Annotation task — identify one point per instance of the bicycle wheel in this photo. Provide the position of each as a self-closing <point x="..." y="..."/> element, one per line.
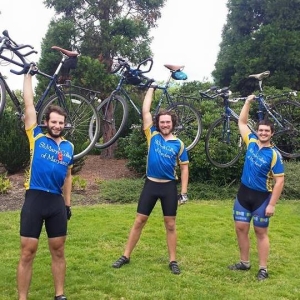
<point x="223" y="143"/>
<point x="113" y="113"/>
<point x="287" y="138"/>
<point x="2" y="96"/>
<point x="80" y="111"/>
<point x="189" y="127"/>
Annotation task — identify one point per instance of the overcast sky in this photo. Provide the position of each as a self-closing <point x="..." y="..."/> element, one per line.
<point x="188" y="33"/>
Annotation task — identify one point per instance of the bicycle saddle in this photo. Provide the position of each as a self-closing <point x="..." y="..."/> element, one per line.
<point x="173" y="67"/>
<point x="260" y="76"/>
<point x="67" y="52"/>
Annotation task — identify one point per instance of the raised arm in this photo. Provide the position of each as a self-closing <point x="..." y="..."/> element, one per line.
<point x="147" y="117"/>
<point x="30" y="113"/>
<point x="243" y="118"/>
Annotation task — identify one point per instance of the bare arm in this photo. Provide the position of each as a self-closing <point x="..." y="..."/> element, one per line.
<point x="184" y="169"/>
<point x="277" y="190"/>
<point x="30" y="113"/>
<point x="243" y="118"/>
<point x="147" y="117"/>
<point x="67" y="188"/>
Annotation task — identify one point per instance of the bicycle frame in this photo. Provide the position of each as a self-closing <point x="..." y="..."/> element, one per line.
<point x="52" y="84"/>
<point x="163" y="88"/>
<point x="264" y="109"/>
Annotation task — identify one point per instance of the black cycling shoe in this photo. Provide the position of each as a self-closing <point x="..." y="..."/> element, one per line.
<point x="239" y="266"/>
<point x="262" y="274"/>
<point x="174" y="267"/>
<point x="60" y="297"/>
<point x="123" y="260"/>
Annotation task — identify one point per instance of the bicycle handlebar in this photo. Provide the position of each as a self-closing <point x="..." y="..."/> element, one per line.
<point x="6" y="43"/>
<point x="214" y="92"/>
<point x="123" y="63"/>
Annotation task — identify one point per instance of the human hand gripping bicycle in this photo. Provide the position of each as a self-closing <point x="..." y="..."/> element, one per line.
<point x="223" y="142"/>
<point x="114" y="110"/>
<point x="79" y="109"/>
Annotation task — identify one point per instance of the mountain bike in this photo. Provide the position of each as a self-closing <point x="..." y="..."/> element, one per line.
<point x="79" y="109"/>
<point x="223" y="142"/>
<point x="114" y="110"/>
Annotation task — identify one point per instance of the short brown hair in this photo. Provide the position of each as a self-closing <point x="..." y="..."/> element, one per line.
<point x="267" y="122"/>
<point x="57" y="109"/>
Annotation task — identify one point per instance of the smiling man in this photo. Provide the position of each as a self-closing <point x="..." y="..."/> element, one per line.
<point x="48" y="193"/>
<point x="257" y="197"/>
<point x="165" y="151"/>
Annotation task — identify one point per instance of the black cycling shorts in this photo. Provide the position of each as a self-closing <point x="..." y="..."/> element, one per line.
<point x="251" y="199"/>
<point x="40" y="207"/>
<point x="152" y="191"/>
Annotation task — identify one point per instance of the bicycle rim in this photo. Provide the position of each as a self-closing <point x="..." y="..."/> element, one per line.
<point x="113" y="113"/>
<point x="223" y="143"/>
<point x="287" y="139"/>
<point x="80" y="111"/>
<point x="2" y="96"/>
<point x="189" y="127"/>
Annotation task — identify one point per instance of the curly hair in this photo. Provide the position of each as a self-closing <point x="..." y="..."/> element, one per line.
<point x="165" y="113"/>
<point x="54" y="108"/>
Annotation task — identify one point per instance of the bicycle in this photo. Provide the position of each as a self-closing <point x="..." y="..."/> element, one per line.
<point x="79" y="109"/>
<point x="113" y="110"/>
<point x="223" y="142"/>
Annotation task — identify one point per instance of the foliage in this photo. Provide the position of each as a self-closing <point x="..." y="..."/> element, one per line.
<point x="121" y="190"/>
<point x="260" y="36"/>
<point x="291" y="180"/>
<point x="100" y="30"/>
<point x="134" y="148"/>
<point x="5" y="184"/>
<point x="110" y="28"/>
<point x="206" y="246"/>
<point x="14" y="146"/>
<point x="79" y="183"/>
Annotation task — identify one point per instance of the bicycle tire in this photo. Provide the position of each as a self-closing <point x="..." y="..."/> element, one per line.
<point x="111" y="126"/>
<point x="287" y="139"/>
<point x="189" y="127"/>
<point x="224" y="150"/>
<point x="80" y="111"/>
<point x="2" y="96"/>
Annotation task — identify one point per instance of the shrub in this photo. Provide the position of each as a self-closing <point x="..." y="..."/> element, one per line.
<point x="291" y="189"/>
<point x="14" y="146"/>
<point x="5" y="184"/>
<point x="79" y="183"/>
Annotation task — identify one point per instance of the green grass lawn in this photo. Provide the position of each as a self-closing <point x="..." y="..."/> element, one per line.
<point x="206" y="246"/>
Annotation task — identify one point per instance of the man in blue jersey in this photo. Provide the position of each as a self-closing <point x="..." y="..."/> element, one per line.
<point x="48" y="193"/>
<point x="257" y="195"/>
<point x="165" y="151"/>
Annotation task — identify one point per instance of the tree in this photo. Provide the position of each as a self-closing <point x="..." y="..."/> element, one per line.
<point x="99" y="30"/>
<point x="259" y="36"/>
<point x="108" y="28"/>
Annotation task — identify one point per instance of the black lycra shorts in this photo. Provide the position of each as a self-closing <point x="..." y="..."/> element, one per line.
<point x="152" y="191"/>
<point x="40" y="207"/>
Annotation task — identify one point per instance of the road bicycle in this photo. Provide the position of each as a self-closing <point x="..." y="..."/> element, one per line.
<point x="223" y="142"/>
<point x="114" y="110"/>
<point x="78" y="108"/>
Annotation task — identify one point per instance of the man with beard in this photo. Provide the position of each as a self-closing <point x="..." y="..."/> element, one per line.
<point x="48" y="193"/>
<point x="257" y="197"/>
<point x="164" y="152"/>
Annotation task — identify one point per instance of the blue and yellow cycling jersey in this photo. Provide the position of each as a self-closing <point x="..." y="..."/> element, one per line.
<point x="261" y="165"/>
<point x="164" y="156"/>
<point x="49" y="162"/>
